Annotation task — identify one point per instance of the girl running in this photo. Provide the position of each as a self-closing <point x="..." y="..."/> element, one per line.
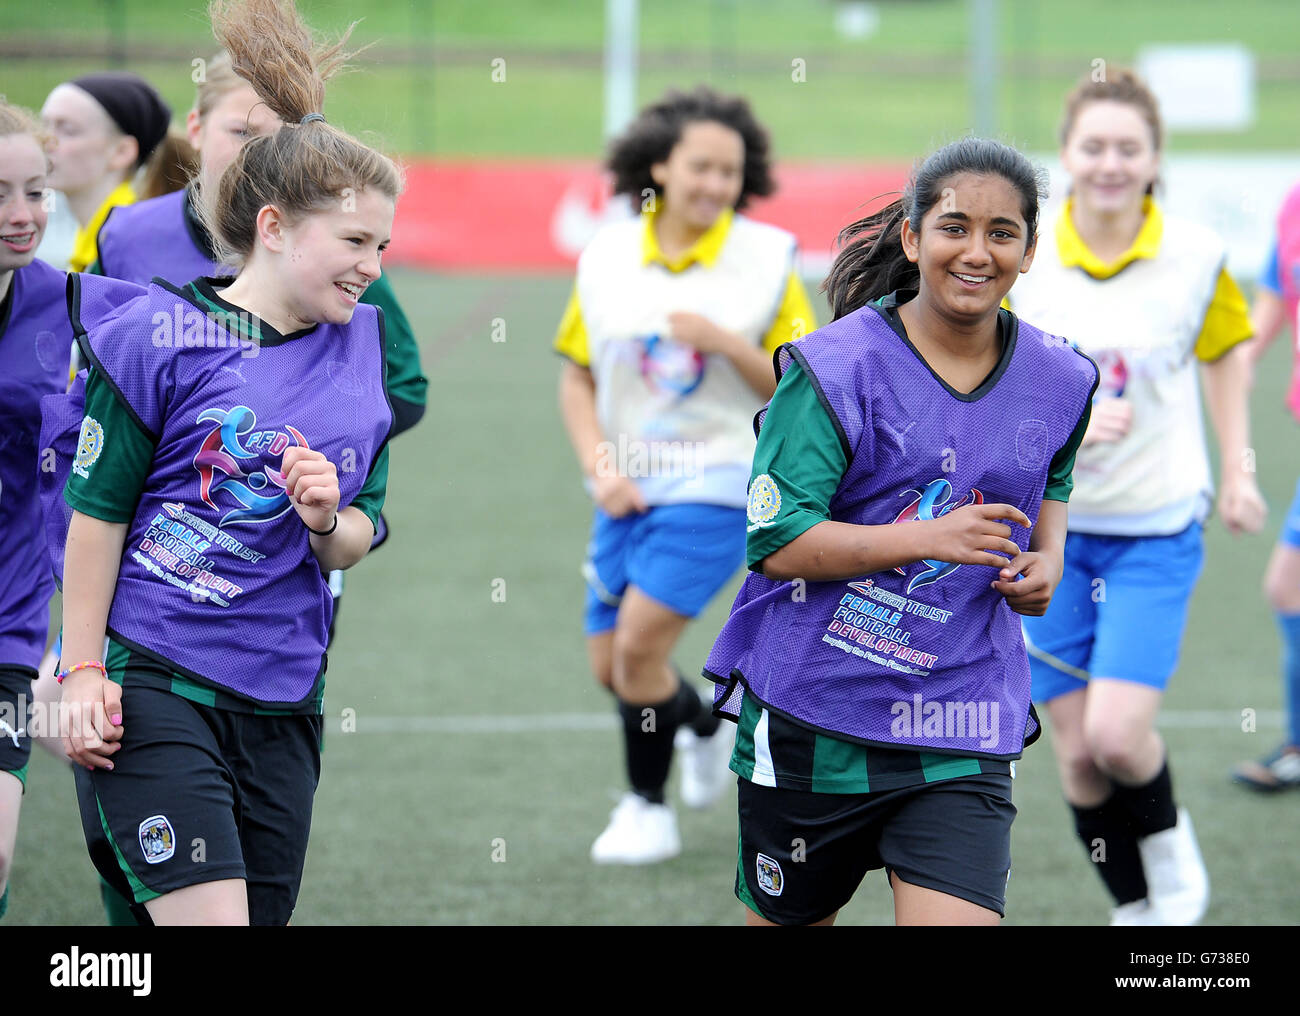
<point x="212" y="492"/>
<point x="35" y="339"/>
<point x="907" y="502"/>
<point x="165" y="236"/>
<point x="1276" y="299"/>
<point x="1148" y="297"/>
<point x="107" y="127"/>
<point x="669" y="336"/>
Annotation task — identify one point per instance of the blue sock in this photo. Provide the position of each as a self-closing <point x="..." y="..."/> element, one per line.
<point x="1290" y="627"/>
<point x="4" y="902"/>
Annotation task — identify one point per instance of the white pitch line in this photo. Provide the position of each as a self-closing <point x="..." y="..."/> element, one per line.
<point x="575" y="723"/>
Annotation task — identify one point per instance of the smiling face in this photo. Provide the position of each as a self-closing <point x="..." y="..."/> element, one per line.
<point x="325" y="260"/>
<point x="1111" y="156"/>
<point x="237" y="118"/>
<point x="703" y="174"/>
<point x="971" y="246"/>
<point x="22" y="212"/>
<point x="87" y="146"/>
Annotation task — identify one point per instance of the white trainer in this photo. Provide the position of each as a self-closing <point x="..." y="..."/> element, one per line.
<point x="706" y="763"/>
<point x="1137" y="912"/>
<point x="1178" y="885"/>
<point x="638" y="833"/>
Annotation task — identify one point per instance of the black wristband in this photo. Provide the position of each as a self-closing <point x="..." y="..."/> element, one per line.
<point x="324" y="532"/>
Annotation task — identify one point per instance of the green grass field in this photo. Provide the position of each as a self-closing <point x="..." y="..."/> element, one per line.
<point x="416" y="802"/>
<point x="428" y="87"/>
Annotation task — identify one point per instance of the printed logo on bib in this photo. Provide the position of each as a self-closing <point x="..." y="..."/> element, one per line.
<point x="764" y="502"/>
<point x="157" y="840"/>
<point x="770" y="879"/>
<point x="1113" y="374"/>
<point x="1031" y="444"/>
<point x="927" y="505"/>
<point x="234" y="449"/>
<point x="90" y="445"/>
<point x="669" y="367"/>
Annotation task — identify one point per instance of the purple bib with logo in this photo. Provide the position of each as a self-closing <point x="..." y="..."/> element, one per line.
<point x="35" y="348"/>
<point x="217" y="574"/>
<point x="926" y="656"/>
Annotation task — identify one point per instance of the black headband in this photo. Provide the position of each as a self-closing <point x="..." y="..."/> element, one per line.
<point x="133" y="104"/>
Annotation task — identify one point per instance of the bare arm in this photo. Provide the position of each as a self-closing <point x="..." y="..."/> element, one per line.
<point x="1266" y="319"/>
<point x="617" y="495"/>
<point x="90" y="566"/>
<point x="1227" y="382"/>
<point x="578" y="408"/>
<point x="840" y="550"/>
<point x="347" y="545"/>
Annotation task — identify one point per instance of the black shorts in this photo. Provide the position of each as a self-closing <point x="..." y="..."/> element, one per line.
<point x="15" y="719"/>
<point x="803" y="855"/>
<point x="199" y="794"/>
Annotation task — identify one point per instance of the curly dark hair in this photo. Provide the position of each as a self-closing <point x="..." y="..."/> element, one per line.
<point x="658" y="128"/>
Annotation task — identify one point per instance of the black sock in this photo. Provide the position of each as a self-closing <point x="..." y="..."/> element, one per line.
<point x="1111" y="842"/>
<point x="1151" y="806"/>
<point x="648" y="742"/>
<point x="693" y="711"/>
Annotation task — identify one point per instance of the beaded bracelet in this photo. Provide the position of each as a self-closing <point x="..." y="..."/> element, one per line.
<point x="83" y="665"/>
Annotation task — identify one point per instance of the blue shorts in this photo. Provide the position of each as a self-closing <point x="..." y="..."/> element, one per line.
<point x="1119" y="612"/>
<point x="678" y="554"/>
<point x="1291" y="527"/>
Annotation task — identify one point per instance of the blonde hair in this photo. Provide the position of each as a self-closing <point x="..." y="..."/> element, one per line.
<point x="20" y="120"/>
<point x="302" y="167"/>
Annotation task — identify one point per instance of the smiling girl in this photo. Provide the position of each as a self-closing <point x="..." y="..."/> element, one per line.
<point x="907" y="502"/>
<point x="105" y="128"/>
<point x="214" y="485"/>
<point x="35" y="339"/>
<point x="1149" y="297"/>
<point x="668" y="339"/>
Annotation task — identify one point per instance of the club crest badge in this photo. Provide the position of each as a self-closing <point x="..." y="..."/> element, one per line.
<point x="764" y="501"/>
<point x="157" y="840"/>
<point x="770" y="879"/>
<point x="90" y="445"/>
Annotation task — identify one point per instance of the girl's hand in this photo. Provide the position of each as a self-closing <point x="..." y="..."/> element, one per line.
<point x="617" y="496"/>
<point x="90" y="718"/>
<point x="1241" y="506"/>
<point x="312" y="483"/>
<point x="969" y="535"/>
<point x="698" y="332"/>
<point x="1039" y="575"/>
<point x="1111" y="420"/>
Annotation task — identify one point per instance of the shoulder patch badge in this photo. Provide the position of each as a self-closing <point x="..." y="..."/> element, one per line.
<point x="770" y="879"/>
<point x="764" y="501"/>
<point x="157" y="840"/>
<point x="90" y="445"/>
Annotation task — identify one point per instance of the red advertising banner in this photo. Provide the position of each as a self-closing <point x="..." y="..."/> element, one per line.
<point x="538" y="216"/>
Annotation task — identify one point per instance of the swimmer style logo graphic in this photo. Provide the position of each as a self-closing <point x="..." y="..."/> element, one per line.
<point x="934" y="502"/>
<point x="229" y="465"/>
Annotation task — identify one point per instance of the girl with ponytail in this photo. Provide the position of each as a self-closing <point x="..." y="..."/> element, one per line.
<point x="907" y="503"/>
<point x="233" y="450"/>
